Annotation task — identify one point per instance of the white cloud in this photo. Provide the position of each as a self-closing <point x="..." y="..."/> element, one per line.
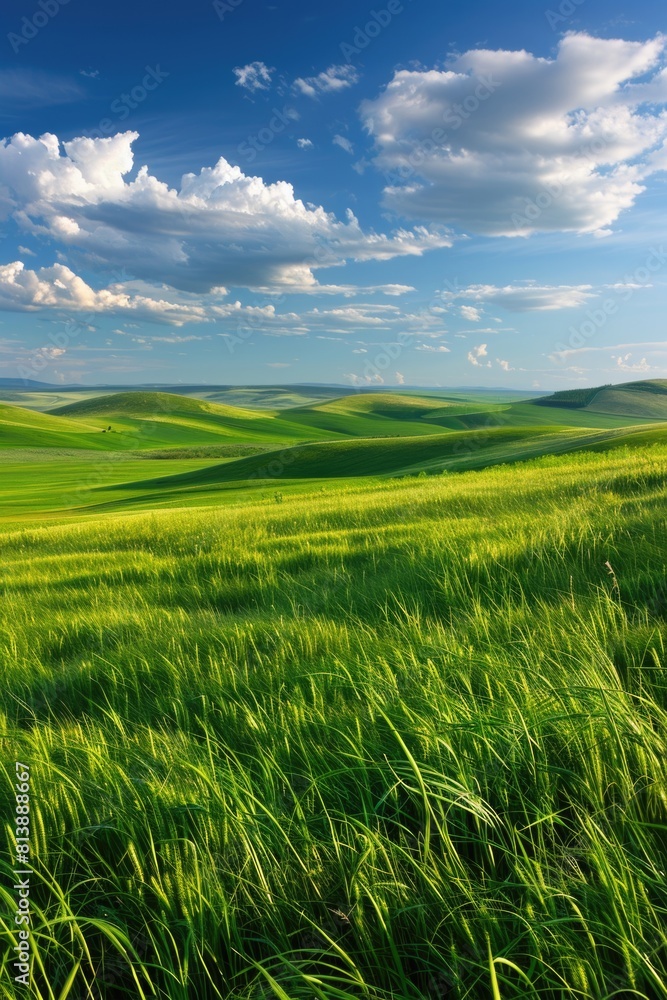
<point x="27" y="252"/>
<point x="476" y="353"/>
<point x="335" y="78"/>
<point x="340" y="140"/>
<point x="253" y="76"/>
<point x="174" y="340"/>
<point x="622" y="363"/>
<point x="505" y="365"/>
<point x="364" y="379"/>
<point x="440" y="349"/>
<point x="651" y="346"/>
<point x="470" y="313"/>
<point x="58" y="287"/>
<point x="400" y="378"/>
<point x="221" y="227"/>
<point x="506" y="143"/>
<point x="525" y="297"/>
<point x="304" y="143"/>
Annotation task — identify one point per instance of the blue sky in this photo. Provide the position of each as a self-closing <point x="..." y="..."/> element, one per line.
<point x="243" y="192"/>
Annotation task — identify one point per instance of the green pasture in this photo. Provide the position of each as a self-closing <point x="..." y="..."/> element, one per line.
<point x="345" y="701"/>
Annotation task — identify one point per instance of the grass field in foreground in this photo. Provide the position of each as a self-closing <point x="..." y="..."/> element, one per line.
<point x="396" y="741"/>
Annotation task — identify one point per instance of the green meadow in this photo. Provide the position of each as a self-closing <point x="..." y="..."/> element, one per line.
<point x="337" y="698"/>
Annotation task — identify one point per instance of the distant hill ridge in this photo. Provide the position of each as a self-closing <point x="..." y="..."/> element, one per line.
<point x="151" y="404"/>
<point x="645" y="398"/>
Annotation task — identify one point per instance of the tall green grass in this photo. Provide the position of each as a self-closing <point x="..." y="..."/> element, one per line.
<point x="401" y="741"/>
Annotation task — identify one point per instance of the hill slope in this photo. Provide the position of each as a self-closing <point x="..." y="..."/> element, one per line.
<point x="635" y="399"/>
<point x="372" y="414"/>
<point x="646" y="399"/>
<point x="376" y="457"/>
<point x="22" y="428"/>
<point x="167" y="418"/>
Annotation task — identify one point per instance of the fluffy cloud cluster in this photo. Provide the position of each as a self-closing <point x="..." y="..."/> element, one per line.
<point x="506" y="143"/>
<point x="220" y="228"/>
<point x="253" y="76"/>
<point x="525" y="297"/>
<point x="335" y="78"/>
<point x="58" y="287"/>
<point x="476" y="354"/>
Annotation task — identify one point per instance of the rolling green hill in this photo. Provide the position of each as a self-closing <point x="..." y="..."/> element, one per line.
<point x="23" y="428"/>
<point x="645" y="399"/>
<point x="634" y="399"/>
<point x="372" y="414"/>
<point x="150" y="421"/>
<point x="160" y="418"/>
<point x="352" y="459"/>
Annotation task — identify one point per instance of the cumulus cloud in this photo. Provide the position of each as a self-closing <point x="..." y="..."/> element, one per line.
<point x="304" y="143"/>
<point x="505" y="365"/>
<point x="58" y="287"/>
<point x="524" y="297"/>
<point x="221" y="227"/>
<point x="506" y="143"/>
<point x="253" y="76"/>
<point x="623" y="363"/>
<point x="470" y="313"/>
<point x="400" y="378"/>
<point x="335" y="78"/>
<point x="375" y="379"/>
<point x="340" y="140"/>
<point x="476" y="353"/>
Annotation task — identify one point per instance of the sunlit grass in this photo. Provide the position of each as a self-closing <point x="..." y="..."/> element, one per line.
<point x="397" y="741"/>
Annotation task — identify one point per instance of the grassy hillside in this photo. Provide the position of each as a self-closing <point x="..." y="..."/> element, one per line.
<point x="646" y="399"/>
<point x="70" y="482"/>
<point x="569" y="398"/>
<point x="399" y="742"/>
<point x="160" y="418"/>
<point x="641" y="399"/>
<point x="336" y="459"/>
<point x="403" y="456"/>
<point x="147" y="420"/>
<point x="23" y="428"/>
<point x="270" y="397"/>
